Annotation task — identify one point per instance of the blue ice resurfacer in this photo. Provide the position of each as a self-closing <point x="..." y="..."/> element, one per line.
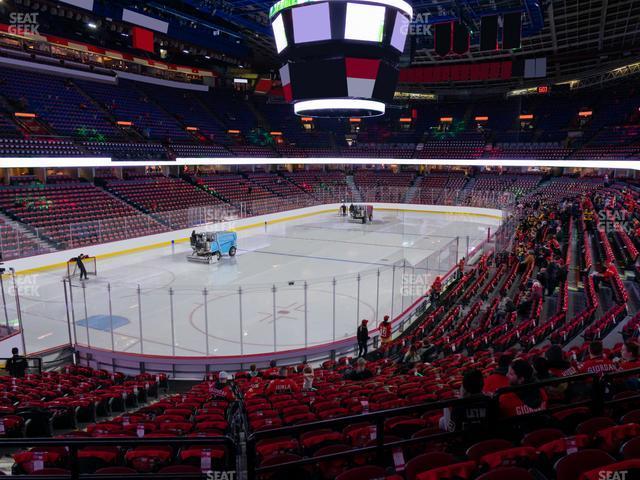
<point x="208" y="246"/>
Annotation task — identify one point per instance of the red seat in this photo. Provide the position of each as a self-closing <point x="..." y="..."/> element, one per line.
<point x="541" y="436"/>
<point x="575" y="464"/>
<point x="427" y="461"/>
<point x="591" y="426"/>
<point x="370" y="472"/>
<point x="179" y="469"/>
<point x="631" y="449"/>
<point x="507" y="473"/>
<point x="480" y="449"/>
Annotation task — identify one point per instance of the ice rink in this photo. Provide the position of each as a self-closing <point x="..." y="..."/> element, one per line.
<point x="293" y="284"/>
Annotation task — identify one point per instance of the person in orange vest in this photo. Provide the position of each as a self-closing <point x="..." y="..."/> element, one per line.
<point x="385" y="330"/>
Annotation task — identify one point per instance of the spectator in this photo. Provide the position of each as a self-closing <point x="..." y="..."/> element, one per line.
<point x="630" y="356"/>
<point x="272" y="371"/>
<point x="469" y="416"/>
<point x="385" y="330"/>
<point x="412" y="356"/>
<point x="498" y="379"/>
<point x="436" y="289"/>
<point x="17" y="365"/>
<point x="307" y="379"/>
<point x="557" y="364"/>
<point x="253" y="371"/>
<point x="525" y="401"/>
<point x="541" y="368"/>
<point x="597" y="362"/>
<point x="221" y="387"/>
<point x="282" y="384"/>
<point x="363" y="339"/>
<point x="360" y="372"/>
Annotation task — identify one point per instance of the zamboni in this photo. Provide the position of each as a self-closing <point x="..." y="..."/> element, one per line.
<point x="362" y="213"/>
<point x="208" y="246"/>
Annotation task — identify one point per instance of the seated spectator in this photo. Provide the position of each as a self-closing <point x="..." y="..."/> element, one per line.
<point x="498" y="379"/>
<point x="307" y="379"/>
<point x="525" y="401"/>
<point x="597" y="362"/>
<point x="360" y="372"/>
<point x="557" y="364"/>
<point x="282" y="384"/>
<point x="253" y="371"/>
<point x="222" y="388"/>
<point x="413" y="355"/>
<point x="272" y="371"/>
<point x="541" y="368"/>
<point x="471" y="416"/>
<point x="630" y="356"/>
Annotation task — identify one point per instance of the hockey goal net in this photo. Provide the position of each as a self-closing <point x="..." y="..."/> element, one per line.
<point x="73" y="271"/>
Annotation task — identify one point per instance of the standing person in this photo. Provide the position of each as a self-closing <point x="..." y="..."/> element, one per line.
<point x="385" y="330"/>
<point x="17" y="365"/>
<point x="363" y="338"/>
<point x="83" y="270"/>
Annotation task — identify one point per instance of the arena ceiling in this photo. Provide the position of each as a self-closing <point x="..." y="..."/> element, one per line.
<point x="576" y="36"/>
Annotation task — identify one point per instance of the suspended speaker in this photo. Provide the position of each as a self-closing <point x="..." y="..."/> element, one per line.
<point x="511" y="30"/>
<point x="489" y="33"/>
<point x="443" y="38"/>
<point x="460" y="38"/>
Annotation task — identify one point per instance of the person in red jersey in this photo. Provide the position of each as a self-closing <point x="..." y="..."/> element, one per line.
<point x="498" y="379"/>
<point x="522" y="402"/>
<point x="436" y="288"/>
<point x="385" y="330"/>
<point x="597" y="362"/>
<point x="272" y="371"/>
<point x="221" y="388"/>
<point x="558" y="366"/>
<point x="283" y="384"/>
<point x="630" y="356"/>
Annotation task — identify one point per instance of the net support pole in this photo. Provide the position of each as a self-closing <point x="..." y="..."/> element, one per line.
<point x="4" y="301"/>
<point x="113" y="343"/>
<point x="66" y="304"/>
<point x="206" y="320"/>
<point x="173" y="330"/>
<point x="86" y="315"/>
<point x="393" y="288"/>
<point x="334" y="308"/>
<point x="306" y="319"/>
<point x="139" y="293"/>
<point x="240" y="318"/>
<point x="19" y="312"/>
<point x="275" y="319"/>
<point x="377" y="296"/>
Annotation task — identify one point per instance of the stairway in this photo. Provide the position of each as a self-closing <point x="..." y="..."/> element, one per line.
<point x="412" y="190"/>
<point x="24" y="232"/>
<point x="356" y="196"/>
<point x="129" y="134"/>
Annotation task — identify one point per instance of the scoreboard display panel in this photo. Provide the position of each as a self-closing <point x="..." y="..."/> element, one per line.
<point x="340" y="50"/>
